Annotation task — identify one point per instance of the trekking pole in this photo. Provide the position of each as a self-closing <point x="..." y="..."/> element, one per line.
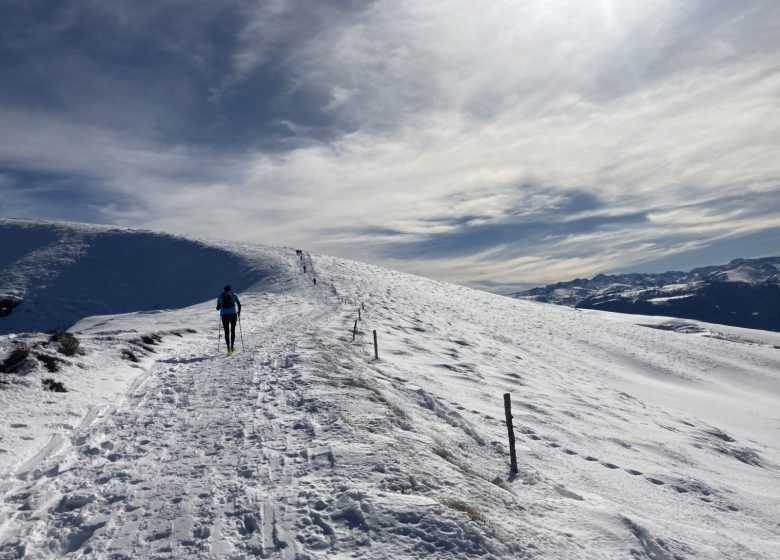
<point x="218" y="325"/>
<point x="241" y="332"/>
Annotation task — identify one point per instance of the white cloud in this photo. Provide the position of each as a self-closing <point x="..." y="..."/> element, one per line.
<point x="462" y="109"/>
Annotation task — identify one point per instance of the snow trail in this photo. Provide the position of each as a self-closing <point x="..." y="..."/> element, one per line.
<point x="179" y="468"/>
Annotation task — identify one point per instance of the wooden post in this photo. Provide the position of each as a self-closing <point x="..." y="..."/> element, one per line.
<point x="354" y="332"/>
<point x="376" y="347"/>
<point x="363" y="305"/>
<point x="511" y="430"/>
<point x="359" y="317"/>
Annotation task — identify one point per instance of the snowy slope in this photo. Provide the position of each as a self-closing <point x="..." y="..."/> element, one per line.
<point x="634" y="441"/>
<point x="61" y="273"/>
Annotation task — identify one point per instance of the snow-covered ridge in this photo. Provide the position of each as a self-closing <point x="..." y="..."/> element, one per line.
<point x="651" y="440"/>
<point x="744" y="292"/>
<point x="57" y="274"/>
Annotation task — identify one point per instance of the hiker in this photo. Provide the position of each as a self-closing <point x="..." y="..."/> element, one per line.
<point x="226" y="305"/>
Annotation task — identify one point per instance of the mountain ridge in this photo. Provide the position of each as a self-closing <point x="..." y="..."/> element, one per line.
<point x="743" y="293"/>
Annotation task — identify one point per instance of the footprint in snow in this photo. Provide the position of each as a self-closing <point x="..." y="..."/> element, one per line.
<point x="656" y="481"/>
<point x="633" y="472"/>
<point x="610" y="465"/>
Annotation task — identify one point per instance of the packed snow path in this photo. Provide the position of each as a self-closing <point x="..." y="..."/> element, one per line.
<point x="205" y="453"/>
<point x="633" y="442"/>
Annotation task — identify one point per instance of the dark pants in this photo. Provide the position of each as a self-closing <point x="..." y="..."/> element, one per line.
<point x="229" y="324"/>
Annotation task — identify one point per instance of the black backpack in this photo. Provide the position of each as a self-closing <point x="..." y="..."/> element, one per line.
<point x="227" y="300"/>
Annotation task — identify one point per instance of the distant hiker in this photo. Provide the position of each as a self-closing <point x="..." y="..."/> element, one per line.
<point x="315" y="281"/>
<point x="226" y="304"/>
<point x="304" y="269"/>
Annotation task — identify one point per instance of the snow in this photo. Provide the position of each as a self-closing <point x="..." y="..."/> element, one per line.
<point x="63" y="272"/>
<point x="660" y="300"/>
<point x="638" y="437"/>
<point x="749" y="273"/>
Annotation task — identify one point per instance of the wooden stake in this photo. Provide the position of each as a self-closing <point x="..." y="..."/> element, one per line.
<point x="359" y="317"/>
<point x="354" y="332"/>
<point x="511" y="430"/>
<point x="376" y="347"/>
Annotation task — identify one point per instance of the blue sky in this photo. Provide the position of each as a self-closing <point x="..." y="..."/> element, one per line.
<point x="490" y="144"/>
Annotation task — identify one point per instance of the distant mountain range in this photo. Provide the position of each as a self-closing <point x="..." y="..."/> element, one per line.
<point x="743" y="293"/>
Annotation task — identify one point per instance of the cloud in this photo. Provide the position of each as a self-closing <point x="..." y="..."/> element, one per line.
<point x="488" y="145"/>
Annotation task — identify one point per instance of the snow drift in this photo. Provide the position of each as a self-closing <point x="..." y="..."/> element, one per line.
<point x="60" y="273"/>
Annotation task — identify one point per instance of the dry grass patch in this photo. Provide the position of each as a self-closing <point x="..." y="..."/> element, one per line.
<point x="442" y="452"/>
<point x="469" y="509"/>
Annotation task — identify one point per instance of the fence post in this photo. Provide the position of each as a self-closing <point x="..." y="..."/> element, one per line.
<point x="376" y="347"/>
<point x="359" y="317"/>
<point x="511" y="430"/>
<point x="354" y="331"/>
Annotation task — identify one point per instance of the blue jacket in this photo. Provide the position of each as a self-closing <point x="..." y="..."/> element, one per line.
<point x="228" y="310"/>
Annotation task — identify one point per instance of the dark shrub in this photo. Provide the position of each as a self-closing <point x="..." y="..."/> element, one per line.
<point x="15" y="360"/>
<point x="52" y="363"/>
<point x="69" y="344"/>
<point x="129" y="355"/>
<point x="151" y="339"/>
<point x="50" y="385"/>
